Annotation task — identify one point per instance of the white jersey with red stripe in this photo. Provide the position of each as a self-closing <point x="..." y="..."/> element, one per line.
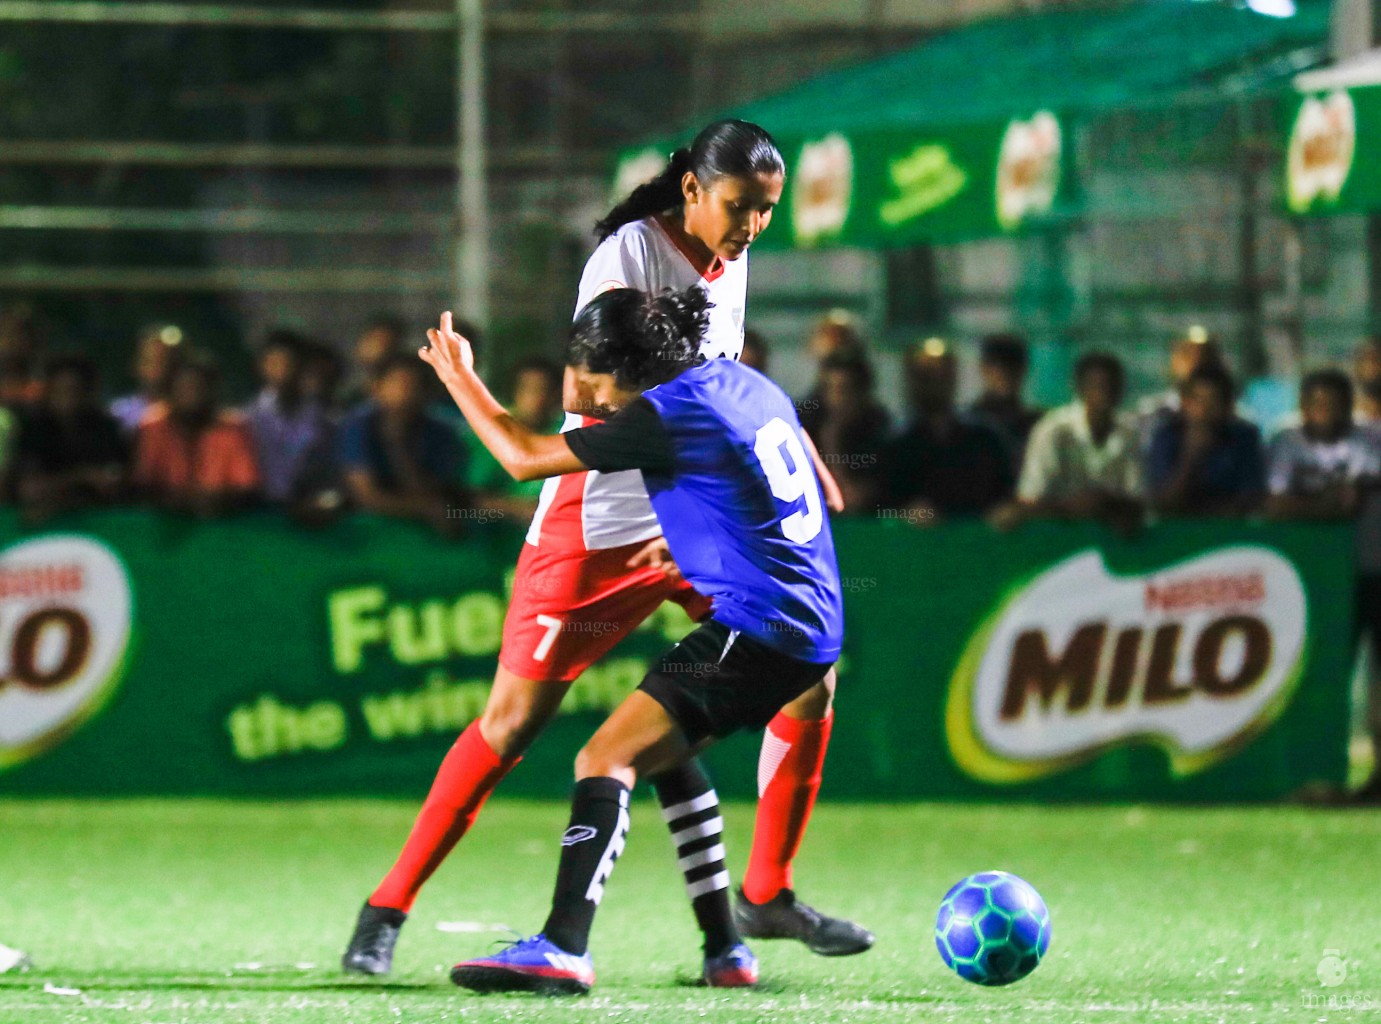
<point x="653" y="254"/>
<point x="592" y="511"/>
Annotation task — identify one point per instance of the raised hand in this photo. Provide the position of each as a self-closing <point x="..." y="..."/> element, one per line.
<point x="448" y="352"/>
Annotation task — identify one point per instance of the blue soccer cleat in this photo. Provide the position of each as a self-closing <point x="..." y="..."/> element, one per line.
<point x="737" y="968"/>
<point x="529" y="965"/>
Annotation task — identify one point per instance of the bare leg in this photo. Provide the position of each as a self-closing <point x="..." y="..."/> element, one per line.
<point x="639" y="738"/>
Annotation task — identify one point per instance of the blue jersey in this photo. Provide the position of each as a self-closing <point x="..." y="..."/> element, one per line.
<point x="738" y="501"/>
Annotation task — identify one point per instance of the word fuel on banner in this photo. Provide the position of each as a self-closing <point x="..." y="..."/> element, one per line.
<point x="364" y="624"/>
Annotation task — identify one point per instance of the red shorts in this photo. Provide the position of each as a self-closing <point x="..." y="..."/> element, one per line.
<point x="570" y="608"/>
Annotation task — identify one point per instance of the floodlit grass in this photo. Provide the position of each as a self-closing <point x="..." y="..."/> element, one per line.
<point x="161" y="912"/>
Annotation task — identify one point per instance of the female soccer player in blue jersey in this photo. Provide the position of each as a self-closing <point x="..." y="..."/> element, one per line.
<point x="724" y="460"/>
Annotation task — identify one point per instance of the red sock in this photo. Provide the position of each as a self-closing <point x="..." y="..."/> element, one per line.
<point x="467" y="776"/>
<point x="793" y="754"/>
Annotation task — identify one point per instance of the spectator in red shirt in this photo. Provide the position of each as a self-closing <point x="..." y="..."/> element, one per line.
<point x="196" y="458"/>
<point x="20" y="387"/>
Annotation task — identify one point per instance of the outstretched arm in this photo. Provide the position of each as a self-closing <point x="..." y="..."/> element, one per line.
<point x="523" y="453"/>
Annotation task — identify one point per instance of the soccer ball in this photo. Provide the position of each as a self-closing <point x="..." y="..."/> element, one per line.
<point x="992" y="928"/>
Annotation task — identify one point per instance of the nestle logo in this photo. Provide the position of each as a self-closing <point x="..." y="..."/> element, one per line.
<point x="1212" y="591"/>
<point x="41" y="581"/>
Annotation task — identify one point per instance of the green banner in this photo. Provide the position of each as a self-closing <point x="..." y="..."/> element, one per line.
<point x="897" y="188"/>
<point x="147" y="655"/>
<point x="1333" y="157"/>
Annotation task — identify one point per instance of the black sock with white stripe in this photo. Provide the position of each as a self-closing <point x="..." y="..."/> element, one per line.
<point x="592" y="842"/>
<point x="690" y="807"/>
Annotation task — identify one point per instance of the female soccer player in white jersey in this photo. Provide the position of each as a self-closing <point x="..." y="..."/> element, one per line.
<point x="593" y="568"/>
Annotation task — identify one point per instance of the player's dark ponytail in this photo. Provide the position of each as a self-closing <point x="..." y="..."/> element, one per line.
<point x="733" y="149"/>
<point x="661" y="193"/>
<point x="643" y="340"/>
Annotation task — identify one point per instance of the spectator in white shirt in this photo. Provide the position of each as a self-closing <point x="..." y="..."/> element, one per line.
<point x="1319" y="469"/>
<point x="1366" y="375"/>
<point x="1083" y="459"/>
<point x="1329" y="468"/>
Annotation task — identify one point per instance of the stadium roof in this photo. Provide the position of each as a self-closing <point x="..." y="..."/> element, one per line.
<point x="1071" y="61"/>
<point x="969" y="134"/>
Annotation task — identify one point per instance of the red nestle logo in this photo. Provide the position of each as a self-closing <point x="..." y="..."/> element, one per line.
<point x="1213" y="591"/>
<point x="41" y="581"/>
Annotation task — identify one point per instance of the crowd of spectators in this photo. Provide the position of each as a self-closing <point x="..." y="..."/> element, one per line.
<point x="1190" y="451"/>
<point x="367" y="427"/>
<point x="323" y="434"/>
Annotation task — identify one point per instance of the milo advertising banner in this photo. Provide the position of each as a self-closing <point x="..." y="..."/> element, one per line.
<point x="1196" y="658"/>
<point x="1333" y="158"/>
<point x="1199" y="661"/>
<point x="893" y="188"/>
<point x="1192" y="662"/>
<point x="65" y="624"/>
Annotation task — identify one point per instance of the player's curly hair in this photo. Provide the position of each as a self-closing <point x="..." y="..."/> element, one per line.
<point x="642" y="339"/>
<point x="728" y="148"/>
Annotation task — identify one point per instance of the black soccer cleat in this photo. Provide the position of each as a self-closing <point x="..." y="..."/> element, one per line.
<point x="371" y="947"/>
<point x="785" y="917"/>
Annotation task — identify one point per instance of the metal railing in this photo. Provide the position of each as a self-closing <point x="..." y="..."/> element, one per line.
<point x="469" y="223"/>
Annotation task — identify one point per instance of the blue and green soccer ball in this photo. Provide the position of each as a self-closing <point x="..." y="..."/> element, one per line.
<point x="992" y="928"/>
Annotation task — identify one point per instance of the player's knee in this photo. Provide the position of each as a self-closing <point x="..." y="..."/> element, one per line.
<point x="589" y="763"/>
<point x="510" y="730"/>
<point x="595" y="762"/>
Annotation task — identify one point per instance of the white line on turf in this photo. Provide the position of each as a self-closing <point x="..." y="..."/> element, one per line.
<point x="254" y="965"/>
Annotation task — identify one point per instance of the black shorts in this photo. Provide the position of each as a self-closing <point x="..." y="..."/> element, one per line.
<point x="717" y="681"/>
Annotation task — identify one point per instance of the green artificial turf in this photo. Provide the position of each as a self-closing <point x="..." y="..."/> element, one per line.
<point x="157" y="912"/>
